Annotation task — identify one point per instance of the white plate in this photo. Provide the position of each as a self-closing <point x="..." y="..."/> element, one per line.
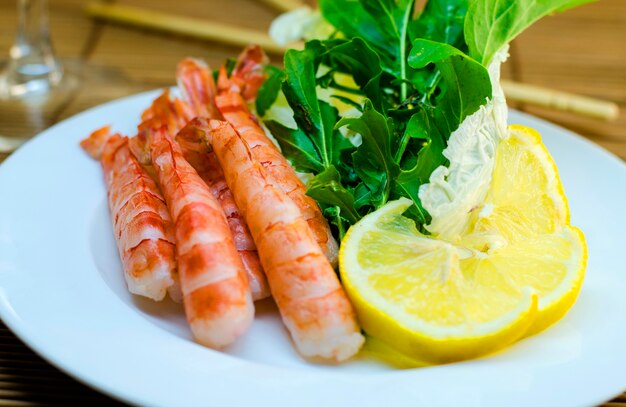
<point x="62" y="292"/>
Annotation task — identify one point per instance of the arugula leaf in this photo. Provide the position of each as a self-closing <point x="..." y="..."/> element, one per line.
<point x="382" y="24"/>
<point x="362" y="196"/>
<point x="425" y="52"/>
<point x="415" y="129"/>
<point x="465" y="84"/>
<point x="230" y="65"/>
<point x="358" y="59"/>
<point x="351" y="18"/>
<point x="491" y="24"/>
<point x="411" y="101"/>
<point x="299" y="89"/>
<point x="429" y="157"/>
<point x="442" y="21"/>
<point x="297" y="147"/>
<point x="326" y="187"/>
<point x="268" y="91"/>
<point x="315" y="119"/>
<point x="396" y="14"/>
<point x="373" y="160"/>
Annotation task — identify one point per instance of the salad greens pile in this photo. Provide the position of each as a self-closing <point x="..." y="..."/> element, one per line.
<point x="414" y="79"/>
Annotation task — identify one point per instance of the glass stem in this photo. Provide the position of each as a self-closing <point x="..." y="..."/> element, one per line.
<point x="32" y="65"/>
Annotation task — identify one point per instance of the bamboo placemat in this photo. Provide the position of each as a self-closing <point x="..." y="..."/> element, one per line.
<point x="28" y="380"/>
<point x="555" y="53"/>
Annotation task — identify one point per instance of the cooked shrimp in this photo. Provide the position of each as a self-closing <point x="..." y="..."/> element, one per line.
<point x="234" y="109"/>
<point x="141" y="222"/>
<point x="216" y="296"/>
<point x="175" y="113"/>
<point x="204" y="161"/>
<point x="164" y="110"/>
<point x="248" y="74"/>
<point x="312" y="303"/>
<point x="196" y="84"/>
<point x="233" y="93"/>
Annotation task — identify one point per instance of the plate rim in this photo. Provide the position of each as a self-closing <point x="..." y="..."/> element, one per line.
<point x="13" y="323"/>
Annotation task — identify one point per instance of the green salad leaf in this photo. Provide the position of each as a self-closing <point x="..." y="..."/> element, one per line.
<point x="314" y="117"/>
<point x="412" y="79"/>
<point x="339" y="202"/>
<point x="417" y="169"/>
<point x="382" y="24"/>
<point x="269" y="90"/>
<point x="466" y="82"/>
<point x="442" y="21"/>
<point x="297" y="146"/>
<point x="359" y="60"/>
<point x="491" y="24"/>
<point x="373" y="160"/>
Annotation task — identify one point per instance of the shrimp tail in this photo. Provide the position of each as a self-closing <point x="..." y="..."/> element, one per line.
<point x="166" y="111"/>
<point x="248" y="74"/>
<point x="173" y="113"/>
<point x="196" y="84"/>
<point x="95" y="142"/>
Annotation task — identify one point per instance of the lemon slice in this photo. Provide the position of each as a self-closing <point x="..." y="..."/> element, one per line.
<point x="517" y="269"/>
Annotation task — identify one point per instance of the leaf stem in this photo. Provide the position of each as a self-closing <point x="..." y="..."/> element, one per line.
<point x="403" y="57"/>
<point x="345" y="88"/>
<point x="386" y="192"/>
<point x="404" y="141"/>
<point x="340" y="227"/>
<point x="432" y="85"/>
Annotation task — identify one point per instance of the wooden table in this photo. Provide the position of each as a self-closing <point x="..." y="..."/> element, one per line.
<point x="582" y="51"/>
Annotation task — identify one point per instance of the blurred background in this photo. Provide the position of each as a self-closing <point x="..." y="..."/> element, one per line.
<point x="582" y="51"/>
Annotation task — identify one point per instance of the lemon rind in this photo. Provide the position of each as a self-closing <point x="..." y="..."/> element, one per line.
<point x="433" y="343"/>
<point x="534" y="144"/>
<point x="358" y="283"/>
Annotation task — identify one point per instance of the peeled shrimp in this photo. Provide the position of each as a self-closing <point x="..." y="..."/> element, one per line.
<point x="197" y="85"/>
<point x="216" y="296"/>
<point x="246" y="79"/>
<point x="204" y="161"/>
<point x="312" y="303"/>
<point x="235" y="111"/>
<point x="141" y="222"/>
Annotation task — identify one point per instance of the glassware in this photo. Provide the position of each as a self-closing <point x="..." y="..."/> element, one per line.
<point x="33" y="83"/>
<point x="32" y="67"/>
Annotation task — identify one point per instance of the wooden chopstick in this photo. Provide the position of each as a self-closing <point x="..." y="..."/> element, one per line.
<point x="284" y="5"/>
<point x="233" y="35"/>
<point x="10" y="144"/>
<point x="519" y="92"/>
<point x="558" y="100"/>
<point x="193" y="27"/>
